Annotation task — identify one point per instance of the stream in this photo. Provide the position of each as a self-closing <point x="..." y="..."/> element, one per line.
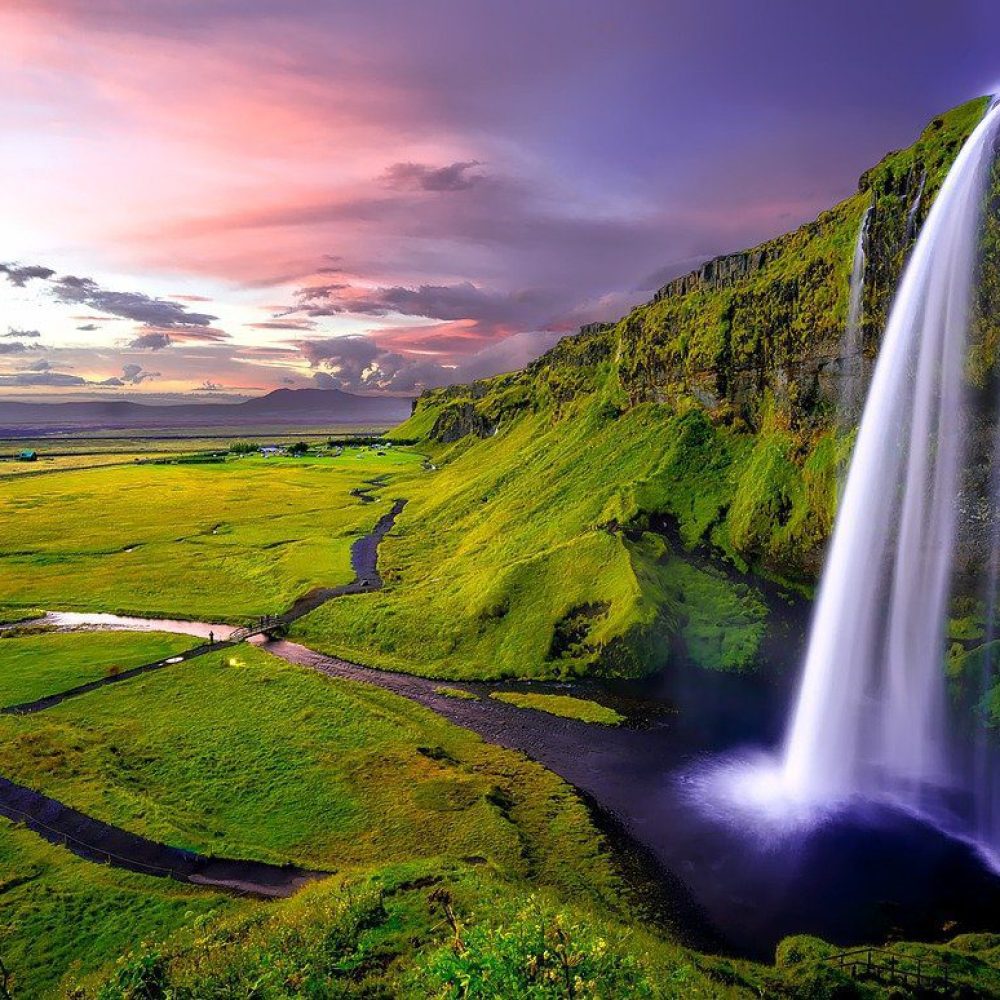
<point x="867" y="874"/>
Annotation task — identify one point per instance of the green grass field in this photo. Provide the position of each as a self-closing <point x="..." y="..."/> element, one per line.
<point x="33" y="666"/>
<point x="63" y="915"/>
<point x="328" y="773"/>
<point x="213" y="541"/>
<point x="323" y="773"/>
<point x="505" y="564"/>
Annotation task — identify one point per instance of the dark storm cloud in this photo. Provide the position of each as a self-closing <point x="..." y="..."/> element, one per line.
<point x="38" y="366"/>
<point x="419" y="176"/>
<point x="88" y="327"/>
<point x="22" y="334"/>
<point x="13" y="348"/>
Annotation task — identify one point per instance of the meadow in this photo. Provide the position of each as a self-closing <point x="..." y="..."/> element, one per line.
<point x="66" y="916"/>
<point x="326" y="774"/>
<point x="35" y="665"/>
<point x="206" y="540"/>
<point x="336" y="775"/>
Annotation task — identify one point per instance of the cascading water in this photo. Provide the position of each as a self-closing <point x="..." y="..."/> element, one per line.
<point x="850" y="345"/>
<point x="911" y="215"/>
<point x="870" y="712"/>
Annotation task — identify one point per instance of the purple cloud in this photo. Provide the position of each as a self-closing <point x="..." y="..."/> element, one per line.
<point x="134" y="374"/>
<point x="128" y="305"/>
<point x="20" y="275"/>
<point x="41" y="379"/>
<point x="150" y="342"/>
<point x="419" y="176"/>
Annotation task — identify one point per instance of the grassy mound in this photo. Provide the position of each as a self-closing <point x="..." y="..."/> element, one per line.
<point x="564" y="705"/>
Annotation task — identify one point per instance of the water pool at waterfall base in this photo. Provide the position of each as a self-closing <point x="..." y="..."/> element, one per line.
<point x="764" y="863"/>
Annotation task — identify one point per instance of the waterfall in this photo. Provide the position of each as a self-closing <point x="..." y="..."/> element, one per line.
<point x="849" y="401"/>
<point x="869" y="717"/>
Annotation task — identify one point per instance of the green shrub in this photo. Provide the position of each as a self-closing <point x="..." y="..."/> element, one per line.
<point x="543" y="952"/>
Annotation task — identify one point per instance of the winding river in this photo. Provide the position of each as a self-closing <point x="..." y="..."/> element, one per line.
<point x="867" y="874"/>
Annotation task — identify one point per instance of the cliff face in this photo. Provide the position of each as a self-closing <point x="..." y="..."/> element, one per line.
<point x="619" y="487"/>
<point x="752" y="341"/>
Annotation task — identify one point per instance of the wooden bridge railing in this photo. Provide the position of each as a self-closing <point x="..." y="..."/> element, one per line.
<point x="886" y="966"/>
<point x="263" y="626"/>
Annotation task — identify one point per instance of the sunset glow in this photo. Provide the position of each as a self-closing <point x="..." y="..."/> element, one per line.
<point x="231" y="197"/>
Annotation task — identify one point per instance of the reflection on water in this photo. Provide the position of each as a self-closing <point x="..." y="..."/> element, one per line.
<point x="127" y="623"/>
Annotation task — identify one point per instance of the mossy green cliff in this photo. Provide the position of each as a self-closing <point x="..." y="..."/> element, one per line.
<point x="627" y="488"/>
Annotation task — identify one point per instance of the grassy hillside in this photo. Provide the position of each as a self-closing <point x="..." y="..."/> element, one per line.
<point x="446" y="930"/>
<point x="566" y="524"/>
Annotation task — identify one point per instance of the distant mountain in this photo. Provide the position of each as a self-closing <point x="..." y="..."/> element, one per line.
<point x="283" y="407"/>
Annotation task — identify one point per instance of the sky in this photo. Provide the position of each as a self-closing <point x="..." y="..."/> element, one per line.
<point x="211" y="198"/>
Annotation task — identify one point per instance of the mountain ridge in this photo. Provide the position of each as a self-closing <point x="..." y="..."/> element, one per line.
<point x="291" y="407"/>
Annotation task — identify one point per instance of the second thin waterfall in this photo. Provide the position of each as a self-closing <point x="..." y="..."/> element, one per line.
<point x="851" y="361"/>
